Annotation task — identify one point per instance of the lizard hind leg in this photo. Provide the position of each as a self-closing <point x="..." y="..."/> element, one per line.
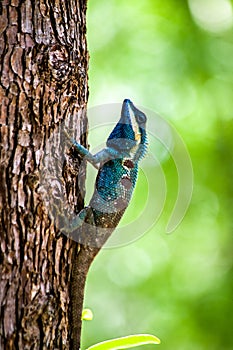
<point x="70" y="227"/>
<point x="82" y="227"/>
<point x="73" y="228"/>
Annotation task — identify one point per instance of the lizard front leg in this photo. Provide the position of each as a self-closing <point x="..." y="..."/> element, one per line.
<point x="100" y="157"/>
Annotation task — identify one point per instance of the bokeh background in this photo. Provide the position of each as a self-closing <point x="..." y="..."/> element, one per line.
<point x="175" y="58"/>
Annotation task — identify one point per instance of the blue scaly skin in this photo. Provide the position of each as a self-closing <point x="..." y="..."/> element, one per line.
<point x="116" y="178"/>
<point x="115" y="182"/>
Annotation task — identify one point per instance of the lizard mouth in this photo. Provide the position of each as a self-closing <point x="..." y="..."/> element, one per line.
<point x="127" y="113"/>
<point x="128" y="117"/>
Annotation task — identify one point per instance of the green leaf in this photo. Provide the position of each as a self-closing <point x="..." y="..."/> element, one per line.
<point x="126" y="342"/>
<point x="87" y="315"/>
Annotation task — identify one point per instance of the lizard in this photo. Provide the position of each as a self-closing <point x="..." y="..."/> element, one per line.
<point x="117" y="166"/>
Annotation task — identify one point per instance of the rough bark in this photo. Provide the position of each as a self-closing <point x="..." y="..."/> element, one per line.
<point x="43" y="84"/>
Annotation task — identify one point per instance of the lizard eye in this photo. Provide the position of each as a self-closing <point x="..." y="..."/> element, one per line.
<point x="141" y="118"/>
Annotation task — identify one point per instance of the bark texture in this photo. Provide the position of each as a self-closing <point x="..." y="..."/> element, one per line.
<point x="43" y="86"/>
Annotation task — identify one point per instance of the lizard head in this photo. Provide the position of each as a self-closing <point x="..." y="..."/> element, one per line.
<point x="130" y="131"/>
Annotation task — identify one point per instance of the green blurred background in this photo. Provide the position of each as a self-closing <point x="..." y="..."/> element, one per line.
<point x="176" y="58"/>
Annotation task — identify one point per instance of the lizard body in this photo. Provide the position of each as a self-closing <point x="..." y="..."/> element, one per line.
<point x="116" y="178"/>
<point x="115" y="182"/>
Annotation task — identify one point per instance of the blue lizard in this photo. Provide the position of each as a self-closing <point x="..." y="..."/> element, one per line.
<point x="116" y="178"/>
<point x="115" y="182"/>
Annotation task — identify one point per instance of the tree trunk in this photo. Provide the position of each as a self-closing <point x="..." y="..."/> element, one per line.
<point x="43" y="83"/>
